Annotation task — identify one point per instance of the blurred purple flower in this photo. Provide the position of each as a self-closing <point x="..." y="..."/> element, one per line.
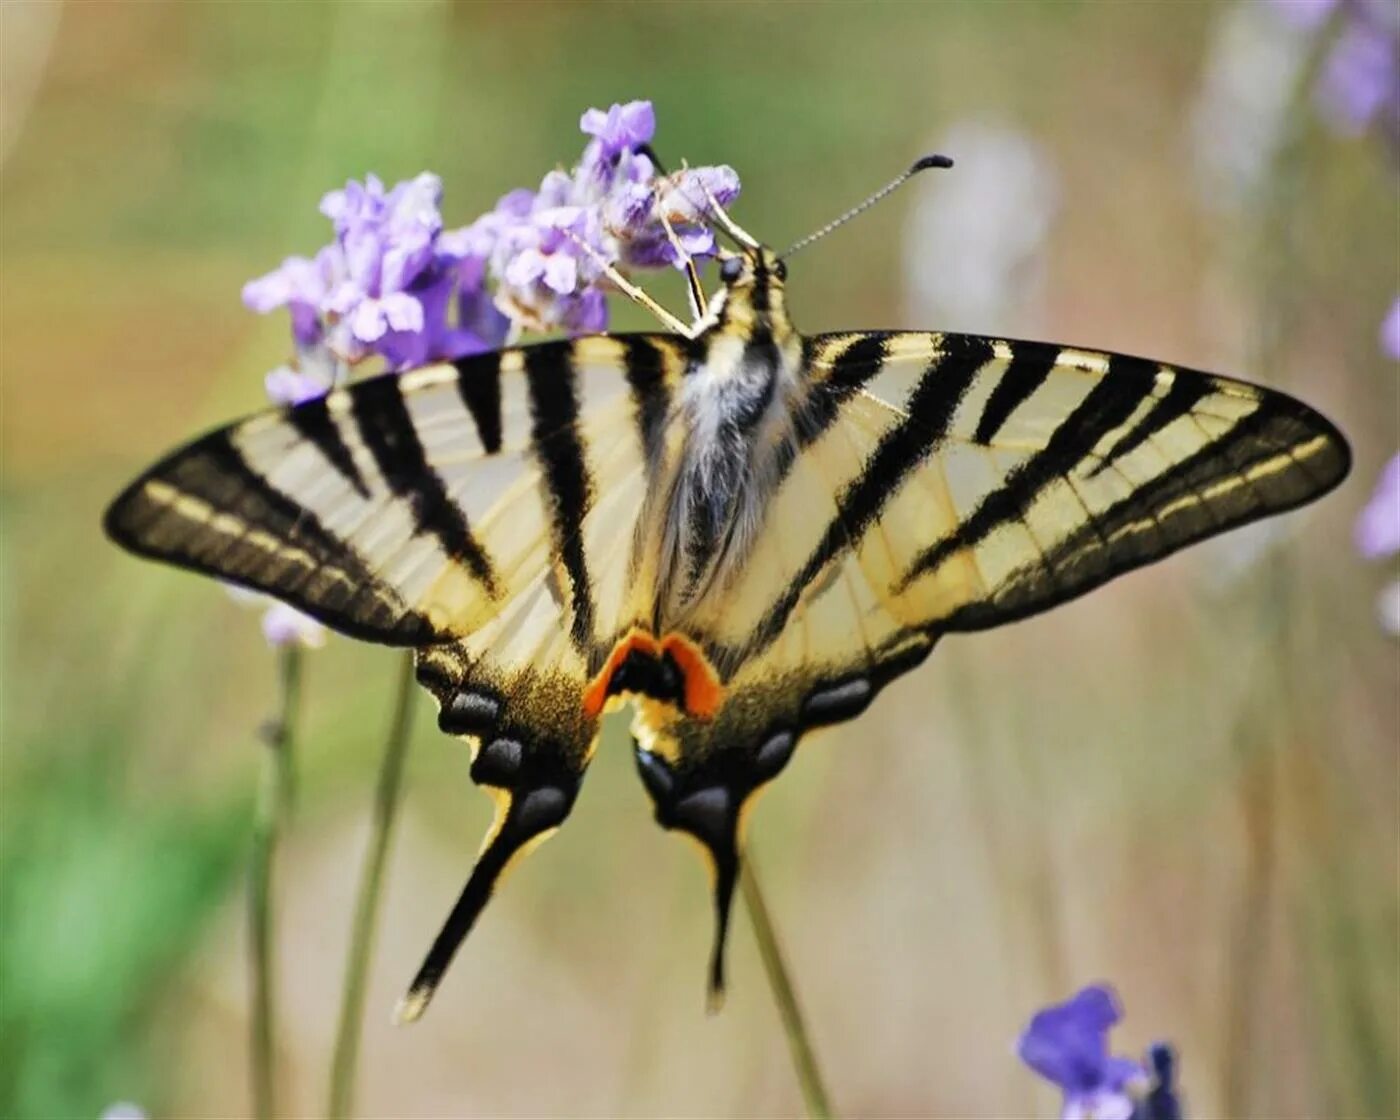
<point x="1390" y="332"/>
<point x="1361" y="76"/>
<point x="1377" y="529"/>
<point x="1378" y="526"/>
<point x="123" y="1110"/>
<point x="282" y="625"/>
<point x="1067" y="1044"/>
<point x="1306" y="14"/>
<point x="287" y="386"/>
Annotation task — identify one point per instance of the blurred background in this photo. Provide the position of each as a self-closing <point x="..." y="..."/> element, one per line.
<point x="1185" y="784"/>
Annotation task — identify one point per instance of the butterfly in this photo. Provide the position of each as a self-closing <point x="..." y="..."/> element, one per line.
<point x="743" y="532"/>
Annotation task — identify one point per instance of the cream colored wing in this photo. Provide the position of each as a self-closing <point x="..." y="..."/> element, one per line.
<point x="479" y="512"/>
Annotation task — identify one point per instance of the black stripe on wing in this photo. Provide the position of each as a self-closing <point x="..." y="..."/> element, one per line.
<point x="1185" y="393"/>
<point x="479" y="386"/>
<point x="651" y="394"/>
<point x="845" y="376"/>
<point x="314" y="423"/>
<point x="930" y="410"/>
<point x="1112" y="400"/>
<point x="387" y="429"/>
<point x="203" y="507"/>
<point x="1030" y="366"/>
<point x="1218" y="487"/>
<point x="557" y="446"/>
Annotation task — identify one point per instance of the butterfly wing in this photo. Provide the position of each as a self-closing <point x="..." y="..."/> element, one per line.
<point x="1013" y="476"/>
<point x="951" y="482"/>
<point x="478" y="512"/>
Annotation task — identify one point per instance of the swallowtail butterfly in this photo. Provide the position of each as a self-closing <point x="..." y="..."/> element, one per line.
<point x="742" y="531"/>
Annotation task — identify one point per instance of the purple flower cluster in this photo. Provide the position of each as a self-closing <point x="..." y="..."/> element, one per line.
<point x="394" y="284"/>
<point x="1067" y="1044"/>
<point x="1359" y="86"/>
<point x="385" y="286"/>
<point x="546" y="251"/>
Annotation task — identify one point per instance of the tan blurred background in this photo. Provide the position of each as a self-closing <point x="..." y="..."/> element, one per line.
<point x="1185" y="784"/>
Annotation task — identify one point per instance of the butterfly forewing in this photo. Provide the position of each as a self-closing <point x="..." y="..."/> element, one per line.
<point x="1018" y="475"/>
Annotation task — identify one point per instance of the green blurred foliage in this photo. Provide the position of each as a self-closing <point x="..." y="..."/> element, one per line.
<point x="1183" y="785"/>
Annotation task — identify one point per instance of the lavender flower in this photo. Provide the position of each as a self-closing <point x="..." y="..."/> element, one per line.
<point x="1067" y="1044"/>
<point x="1360" y="80"/>
<point x="1378" y="527"/>
<point x="384" y="287"/>
<point x="546" y="251"/>
<point x="1306" y="14"/>
<point x="287" y="385"/>
<point x="300" y="285"/>
<point x="1390" y="332"/>
<point x="621" y="127"/>
<point x="282" y="625"/>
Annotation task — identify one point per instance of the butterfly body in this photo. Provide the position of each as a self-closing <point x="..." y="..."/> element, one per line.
<point x="736" y="415"/>
<point x="744" y="534"/>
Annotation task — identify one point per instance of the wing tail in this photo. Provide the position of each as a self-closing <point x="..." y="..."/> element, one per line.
<point x="526" y="816"/>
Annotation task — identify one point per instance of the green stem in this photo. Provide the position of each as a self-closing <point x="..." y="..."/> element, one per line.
<point x="273" y="808"/>
<point x="804" y="1060"/>
<point x="386" y="802"/>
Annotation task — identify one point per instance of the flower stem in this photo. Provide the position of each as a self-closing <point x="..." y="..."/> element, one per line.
<point x="386" y="802"/>
<point x="274" y="804"/>
<point x="804" y="1059"/>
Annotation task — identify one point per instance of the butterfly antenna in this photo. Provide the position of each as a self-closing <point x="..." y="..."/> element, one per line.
<point x="888" y="189"/>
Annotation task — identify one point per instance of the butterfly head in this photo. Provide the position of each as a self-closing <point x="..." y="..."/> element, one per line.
<point x="752" y="295"/>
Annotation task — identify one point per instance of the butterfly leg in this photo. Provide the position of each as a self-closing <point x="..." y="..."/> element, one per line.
<point x="695" y="290"/>
<point x="631" y="291"/>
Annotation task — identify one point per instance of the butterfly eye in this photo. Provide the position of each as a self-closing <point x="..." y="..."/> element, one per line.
<point x="780" y="270"/>
<point x="731" y="268"/>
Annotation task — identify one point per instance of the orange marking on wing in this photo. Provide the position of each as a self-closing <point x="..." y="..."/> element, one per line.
<point x="595" y="696"/>
<point x="703" y="691"/>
